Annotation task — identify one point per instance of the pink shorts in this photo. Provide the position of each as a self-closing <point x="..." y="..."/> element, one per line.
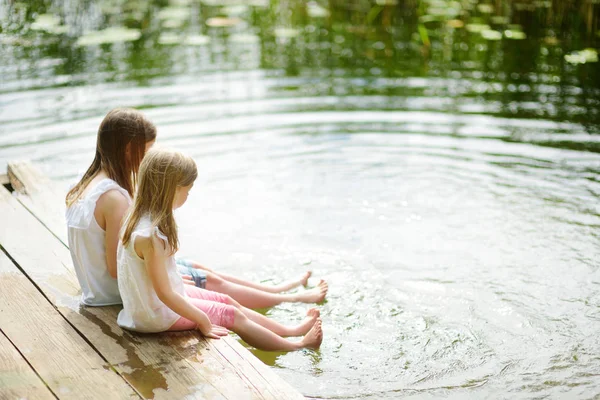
<point x="215" y="305"/>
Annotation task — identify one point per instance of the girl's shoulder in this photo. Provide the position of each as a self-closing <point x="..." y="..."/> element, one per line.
<point x="147" y="236"/>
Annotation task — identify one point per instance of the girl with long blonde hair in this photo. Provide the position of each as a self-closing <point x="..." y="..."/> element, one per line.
<point x="97" y="204"/>
<point x="154" y="296"/>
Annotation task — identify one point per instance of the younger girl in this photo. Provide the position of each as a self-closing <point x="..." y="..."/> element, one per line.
<point x="96" y="206"/>
<point x="154" y="296"/>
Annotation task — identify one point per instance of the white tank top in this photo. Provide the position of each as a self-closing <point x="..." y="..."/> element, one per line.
<point x="87" y="244"/>
<point x="142" y="310"/>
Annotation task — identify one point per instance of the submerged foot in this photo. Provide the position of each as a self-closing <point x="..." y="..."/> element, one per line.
<point x="308" y="322"/>
<point x="314" y="337"/>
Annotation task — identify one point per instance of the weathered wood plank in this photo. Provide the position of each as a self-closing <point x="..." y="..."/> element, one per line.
<point x="17" y="378"/>
<point x="35" y="191"/>
<point x="69" y="366"/>
<point x="159" y="366"/>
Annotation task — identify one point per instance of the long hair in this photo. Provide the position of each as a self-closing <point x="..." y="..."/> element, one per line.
<point x="162" y="171"/>
<point x="120" y="148"/>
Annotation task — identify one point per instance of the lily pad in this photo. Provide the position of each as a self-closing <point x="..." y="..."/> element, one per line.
<point x="244" y="38"/>
<point x="477" y="28"/>
<point x="234" y="10"/>
<point x="499" y="20"/>
<point x="197" y="40"/>
<point x="173" y="23"/>
<point x="222" y="22"/>
<point x="174" y="13"/>
<point x="490" y="34"/>
<point x="168" y="38"/>
<point x="49" y="23"/>
<point x="109" y="35"/>
<point x="514" y="35"/>
<point x="485" y="8"/>
<point x="286" y="32"/>
<point x="455" y="23"/>
<point x="582" y="56"/>
<point x="314" y="10"/>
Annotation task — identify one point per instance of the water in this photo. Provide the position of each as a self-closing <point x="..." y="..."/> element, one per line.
<point x="448" y="192"/>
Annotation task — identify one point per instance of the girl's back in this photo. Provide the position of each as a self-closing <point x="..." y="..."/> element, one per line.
<point x="142" y="310"/>
<point x="87" y="245"/>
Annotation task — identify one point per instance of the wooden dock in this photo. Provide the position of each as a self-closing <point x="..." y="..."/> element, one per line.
<point x="51" y="347"/>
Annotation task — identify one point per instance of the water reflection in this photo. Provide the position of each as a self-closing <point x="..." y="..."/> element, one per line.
<point x="508" y="59"/>
<point x="436" y="161"/>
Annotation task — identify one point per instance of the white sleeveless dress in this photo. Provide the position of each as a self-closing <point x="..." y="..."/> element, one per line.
<point x="87" y="244"/>
<point x="142" y="310"/>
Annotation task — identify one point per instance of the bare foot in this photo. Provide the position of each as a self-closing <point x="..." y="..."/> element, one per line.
<point x="307" y="323"/>
<point x="315" y="295"/>
<point x="304" y="279"/>
<point x="314" y="337"/>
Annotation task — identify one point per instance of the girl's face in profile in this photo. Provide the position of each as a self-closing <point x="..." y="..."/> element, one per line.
<point x="181" y="195"/>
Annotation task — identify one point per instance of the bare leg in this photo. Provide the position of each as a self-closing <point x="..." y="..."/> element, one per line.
<point x="279" y="288"/>
<point x="253" y="298"/>
<point x="302" y="329"/>
<point x="262" y="338"/>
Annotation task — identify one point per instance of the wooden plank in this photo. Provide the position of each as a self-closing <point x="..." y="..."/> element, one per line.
<point x="35" y="191"/>
<point x="71" y="368"/>
<point x="17" y="378"/>
<point x="159" y="366"/>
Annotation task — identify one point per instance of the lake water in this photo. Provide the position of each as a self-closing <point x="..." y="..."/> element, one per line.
<point x="443" y="179"/>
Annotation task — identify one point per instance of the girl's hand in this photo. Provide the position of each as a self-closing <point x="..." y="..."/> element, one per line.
<point x="187" y="279"/>
<point x="215" y="332"/>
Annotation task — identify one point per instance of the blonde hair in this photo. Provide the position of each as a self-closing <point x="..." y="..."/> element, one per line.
<point x="162" y="171"/>
<point x="120" y="128"/>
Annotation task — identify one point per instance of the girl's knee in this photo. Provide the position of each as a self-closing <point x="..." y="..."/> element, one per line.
<point x="234" y="303"/>
<point x="238" y="316"/>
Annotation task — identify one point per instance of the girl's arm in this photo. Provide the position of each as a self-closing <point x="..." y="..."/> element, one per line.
<point x="112" y="206"/>
<point x="155" y="257"/>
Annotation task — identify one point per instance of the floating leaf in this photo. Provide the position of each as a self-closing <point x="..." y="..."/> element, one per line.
<point x="169" y="38"/>
<point x="455" y="23"/>
<point x="485" y="8"/>
<point x="197" y="40"/>
<point x="490" y="34"/>
<point x="476" y="28"/>
<point x="424" y="19"/>
<point x="221" y="22"/>
<point x="174" y="13"/>
<point x="259" y="3"/>
<point x="514" y="35"/>
<point x="499" y="20"/>
<point x="49" y="23"/>
<point x="582" y="57"/>
<point x="16" y="41"/>
<point x="44" y="21"/>
<point x="234" y="10"/>
<point x="286" y="32"/>
<point x="244" y="38"/>
<point x="109" y="35"/>
<point x="316" y="11"/>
